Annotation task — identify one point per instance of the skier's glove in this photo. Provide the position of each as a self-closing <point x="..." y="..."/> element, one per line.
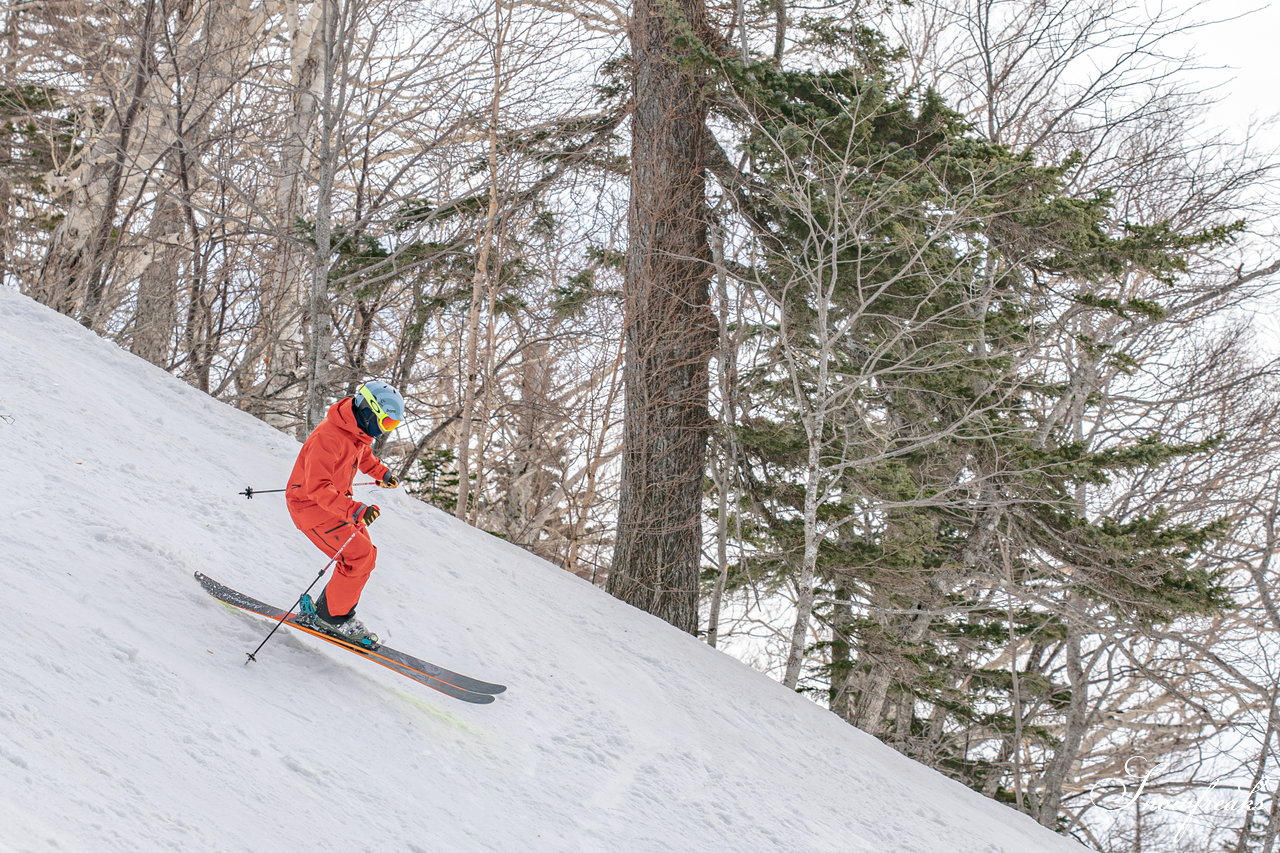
<point x="367" y="515"/>
<point x="390" y="481"/>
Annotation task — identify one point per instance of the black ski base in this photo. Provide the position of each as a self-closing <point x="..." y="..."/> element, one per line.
<point x="438" y="678"/>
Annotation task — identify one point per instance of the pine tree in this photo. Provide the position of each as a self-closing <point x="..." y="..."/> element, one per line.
<point x="667" y="323"/>
<point x="903" y="473"/>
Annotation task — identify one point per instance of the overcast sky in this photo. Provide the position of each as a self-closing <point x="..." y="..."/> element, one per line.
<point x="1247" y="51"/>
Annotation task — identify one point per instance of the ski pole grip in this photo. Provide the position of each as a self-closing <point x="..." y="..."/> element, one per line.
<point x="250" y="491"/>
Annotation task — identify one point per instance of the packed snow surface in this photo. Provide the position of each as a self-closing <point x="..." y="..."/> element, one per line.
<point x="129" y="720"/>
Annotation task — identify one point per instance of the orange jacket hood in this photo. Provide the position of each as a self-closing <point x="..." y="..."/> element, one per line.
<point x="320" y="484"/>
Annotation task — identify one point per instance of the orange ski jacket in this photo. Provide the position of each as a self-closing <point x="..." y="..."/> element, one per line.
<point x="320" y="484"/>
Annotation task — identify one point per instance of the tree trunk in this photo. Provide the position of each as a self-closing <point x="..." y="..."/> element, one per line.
<point x="668" y="326"/>
<point x="805" y="590"/>
<point x="727" y="461"/>
<point x="840" y="695"/>
<point x="270" y="382"/>
<point x="1257" y="824"/>
<point x="333" y="35"/>
<point x="1064" y="758"/>
<point x="72" y="277"/>
<point x="596" y="454"/>
<point x="481" y="280"/>
<point x="157" y="306"/>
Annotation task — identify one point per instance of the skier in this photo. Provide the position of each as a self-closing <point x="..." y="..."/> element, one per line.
<point x="320" y="502"/>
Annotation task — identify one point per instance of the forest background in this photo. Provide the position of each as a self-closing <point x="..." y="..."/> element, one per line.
<point x="910" y="352"/>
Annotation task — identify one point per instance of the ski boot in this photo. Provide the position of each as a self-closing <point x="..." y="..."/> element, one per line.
<point x="314" y="614"/>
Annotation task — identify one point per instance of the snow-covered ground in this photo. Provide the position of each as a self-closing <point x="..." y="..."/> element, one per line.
<point x="129" y="720"/>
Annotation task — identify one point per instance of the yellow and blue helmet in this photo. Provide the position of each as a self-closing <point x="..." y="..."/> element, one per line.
<point x="379" y="406"/>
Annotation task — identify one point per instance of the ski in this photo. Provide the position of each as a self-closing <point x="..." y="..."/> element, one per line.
<point x="446" y="681"/>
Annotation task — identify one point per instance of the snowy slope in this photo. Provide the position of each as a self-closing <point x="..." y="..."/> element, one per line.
<point x="135" y="725"/>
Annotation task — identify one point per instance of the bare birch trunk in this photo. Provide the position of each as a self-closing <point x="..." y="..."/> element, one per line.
<point x="596" y="455"/>
<point x="270" y="381"/>
<point x="73" y="278"/>
<point x="727" y="463"/>
<point x="809" y="561"/>
<point x="480" y="280"/>
<point x="336" y="31"/>
<point x="209" y="48"/>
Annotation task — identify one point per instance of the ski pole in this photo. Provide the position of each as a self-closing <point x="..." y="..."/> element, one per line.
<point x="250" y="491"/>
<point x="252" y="655"/>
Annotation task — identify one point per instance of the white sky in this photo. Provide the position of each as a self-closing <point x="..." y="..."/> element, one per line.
<point x="1245" y="54"/>
<point x="1246" y="58"/>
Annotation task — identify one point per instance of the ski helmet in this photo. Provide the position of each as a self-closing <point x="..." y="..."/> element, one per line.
<point x="383" y="402"/>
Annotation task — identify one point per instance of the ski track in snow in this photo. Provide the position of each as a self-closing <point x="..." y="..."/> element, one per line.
<point x="133" y="723"/>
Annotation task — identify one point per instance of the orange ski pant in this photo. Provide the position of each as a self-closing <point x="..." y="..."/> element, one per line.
<point x="354" y="565"/>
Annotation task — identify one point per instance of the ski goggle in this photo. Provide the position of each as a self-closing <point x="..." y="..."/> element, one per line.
<point x="385" y="422"/>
